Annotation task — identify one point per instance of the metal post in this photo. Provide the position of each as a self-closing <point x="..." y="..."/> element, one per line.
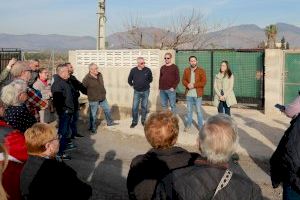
<point x="101" y="25"/>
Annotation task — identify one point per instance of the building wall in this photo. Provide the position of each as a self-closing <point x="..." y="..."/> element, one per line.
<point x="115" y="66"/>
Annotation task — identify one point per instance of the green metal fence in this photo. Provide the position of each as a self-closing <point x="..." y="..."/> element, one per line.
<point x="291" y="79"/>
<point x="246" y="65"/>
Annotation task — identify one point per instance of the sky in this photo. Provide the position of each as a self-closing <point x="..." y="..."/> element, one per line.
<point x="78" y="17"/>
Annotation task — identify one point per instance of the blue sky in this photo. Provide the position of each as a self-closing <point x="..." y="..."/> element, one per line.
<point x="78" y="17"/>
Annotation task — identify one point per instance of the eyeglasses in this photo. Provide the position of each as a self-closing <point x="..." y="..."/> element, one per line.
<point x="167" y="58"/>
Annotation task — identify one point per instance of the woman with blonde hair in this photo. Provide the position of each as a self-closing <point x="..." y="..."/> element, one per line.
<point x="42" y="171"/>
<point x="223" y="85"/>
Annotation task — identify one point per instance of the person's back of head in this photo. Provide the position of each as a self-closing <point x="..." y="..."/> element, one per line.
<point x="19" y="67"/>
<point x="218" y="138"/>
<point x="161" y="129"/>
<point x="11" y="93"/>
<point x="42" y="140"/>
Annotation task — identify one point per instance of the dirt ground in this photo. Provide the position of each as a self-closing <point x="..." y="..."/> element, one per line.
<point x="103" y="159"/>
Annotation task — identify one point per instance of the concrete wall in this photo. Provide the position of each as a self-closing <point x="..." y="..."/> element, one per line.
<point x="274" y="68"/>
<point x="115" y="66"/>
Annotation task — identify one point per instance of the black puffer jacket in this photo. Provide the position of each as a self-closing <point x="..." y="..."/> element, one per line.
<point x="148" y="169"/>
<point x="285" y="162"/>
<point x="64" y="96"/>
<point x="200" y="182"/>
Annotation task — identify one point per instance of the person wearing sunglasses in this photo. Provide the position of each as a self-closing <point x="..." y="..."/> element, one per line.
<point x="168" y="81"/>
<point x="140" y="78"/>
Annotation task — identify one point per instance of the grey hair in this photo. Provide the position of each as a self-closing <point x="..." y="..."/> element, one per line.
<point x="18" y="68"/>
<point x="91" y="65"/>
<point x="60" y="67"/>
<point x="139" y="58"/>
<point x="10" y="93"/>
<point x="218" y="138"/>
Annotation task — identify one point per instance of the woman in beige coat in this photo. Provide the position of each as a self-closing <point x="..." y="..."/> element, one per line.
<point x="223" y="85"/>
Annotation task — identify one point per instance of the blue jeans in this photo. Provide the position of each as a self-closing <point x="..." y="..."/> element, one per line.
<point x="137" y="98"/>
<point x="223" y="107"/>
<point x="73" y="124"/>
<point x="93" y="107"/>
<point x="289" y="193"/>
<point x="63" y="130"/>
<point x="194" y="101"/>
<point x="168" y="95"/>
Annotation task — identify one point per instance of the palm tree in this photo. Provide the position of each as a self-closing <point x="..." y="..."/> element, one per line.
<point x="271" y="33"/>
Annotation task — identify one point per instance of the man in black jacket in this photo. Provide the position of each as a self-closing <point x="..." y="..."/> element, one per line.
<point x="211" y="176"/>
<point x="140" y="78"/>
<point x="78" y="86"/>
<point x="161" y="131"/>
<point x="285" y="161"/>
<point x="64" y="100"/>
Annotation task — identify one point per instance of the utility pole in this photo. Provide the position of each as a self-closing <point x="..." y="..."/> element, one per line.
<point x="101" y="25"/>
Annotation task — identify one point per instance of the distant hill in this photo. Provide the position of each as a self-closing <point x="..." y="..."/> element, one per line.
<point x="242" y="36"/>
<point x="45" y="42"/>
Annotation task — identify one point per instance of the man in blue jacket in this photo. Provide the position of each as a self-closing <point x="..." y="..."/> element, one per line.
<point x="140" y="78"/>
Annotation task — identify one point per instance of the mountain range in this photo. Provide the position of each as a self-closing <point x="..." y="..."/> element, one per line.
<point x="242" y="36"/>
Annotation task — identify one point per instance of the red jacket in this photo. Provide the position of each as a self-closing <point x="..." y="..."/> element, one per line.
<point x="14" y="142"/>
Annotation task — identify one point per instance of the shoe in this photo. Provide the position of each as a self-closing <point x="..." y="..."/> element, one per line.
<point x="143" y="123"/>
<point x="133" y="125"/>
<point x="63" y="156"/>
<point x="187" y="129"/>
<point x="112" y="124"/>
<point x="93" y="132"/>
<point x="70" y="147"/>
<point x="77" y="136"/>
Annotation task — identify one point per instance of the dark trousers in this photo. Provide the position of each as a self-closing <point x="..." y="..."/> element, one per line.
<point x="63" y="130"/>
<point x="73" y="124"/>
<point x="223" y="107"/>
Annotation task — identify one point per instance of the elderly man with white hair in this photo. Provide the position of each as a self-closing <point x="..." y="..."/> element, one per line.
<point x="211" y="176"/>
<point x="96" y="93"/>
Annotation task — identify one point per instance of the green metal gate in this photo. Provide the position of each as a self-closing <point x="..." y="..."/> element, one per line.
<point x="292" y="77"/>
<point x="247" y="66"/>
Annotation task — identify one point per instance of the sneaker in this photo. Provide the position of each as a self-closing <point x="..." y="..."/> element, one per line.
<point x="63" y="156"/>
<point x="187" y="129"/>
<point x="92" y="132"/>
<point x="70" y="147"/>
<point x="133" y="125"/>
<point x="112" y="124"/>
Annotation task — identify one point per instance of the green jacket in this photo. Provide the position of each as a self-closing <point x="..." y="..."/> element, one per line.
<point x="225" y="84"/>
<point x="4" y="74"/>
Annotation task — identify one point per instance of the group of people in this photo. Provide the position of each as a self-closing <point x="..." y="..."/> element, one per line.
<point x="169" y="172"/>
<point x="34" y="150"/>
<point x="194" y="81"/>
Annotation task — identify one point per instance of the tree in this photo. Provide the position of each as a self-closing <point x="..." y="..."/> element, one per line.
<point x="185" y="32"/>
<point x="287" y="45"/>
<point x="271" y="33"/>
<point x="283" y="45"/>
